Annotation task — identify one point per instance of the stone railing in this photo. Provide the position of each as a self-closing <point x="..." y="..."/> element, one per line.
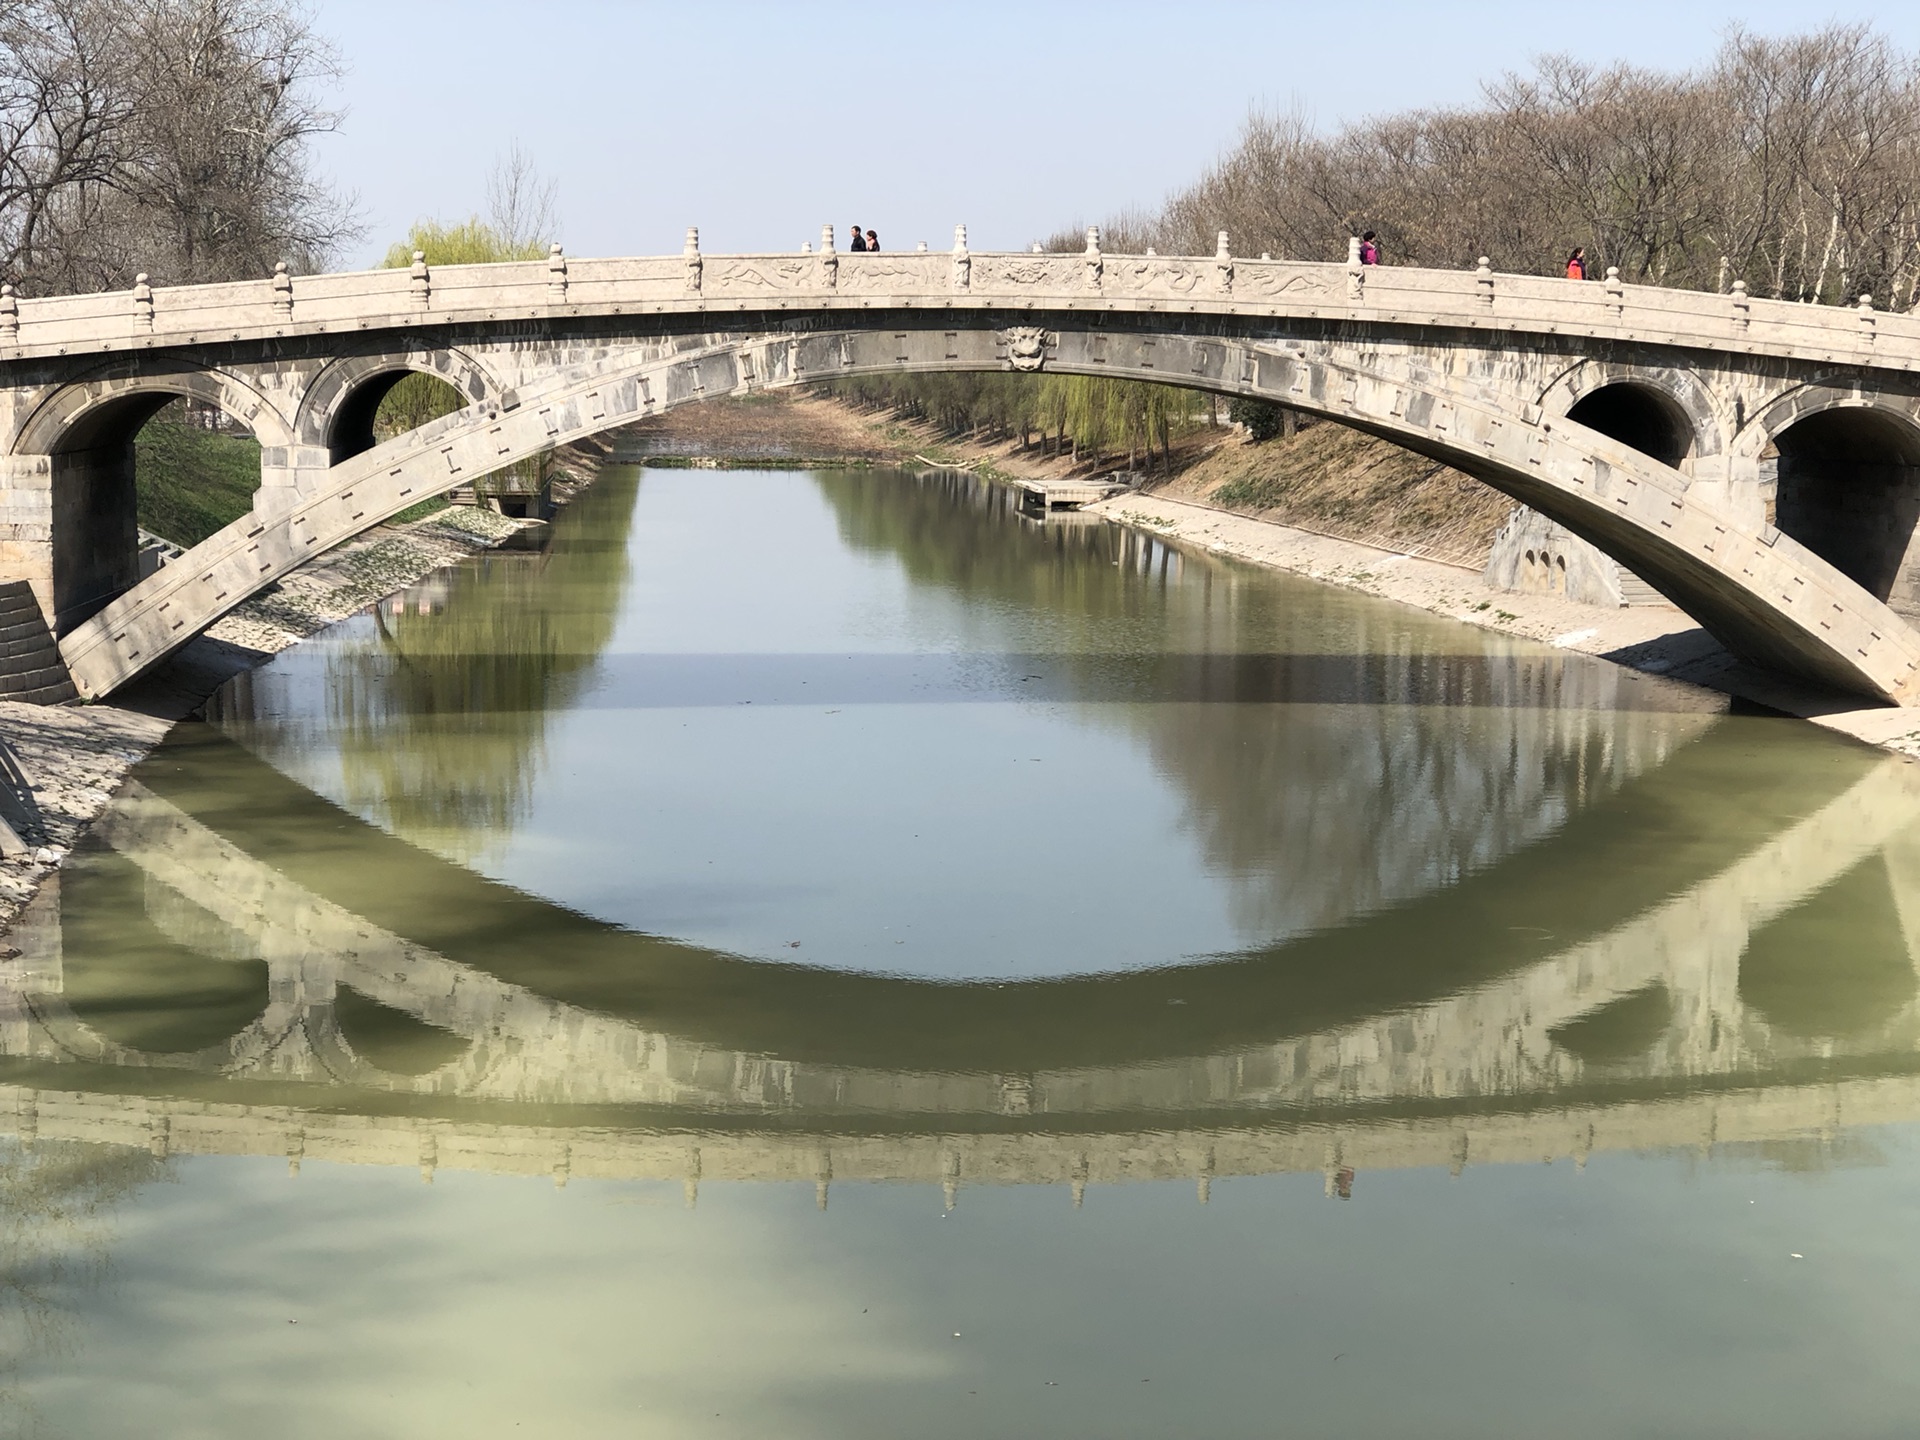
<point x="722" y="286"/>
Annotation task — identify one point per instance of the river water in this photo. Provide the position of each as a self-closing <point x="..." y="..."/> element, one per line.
<point x="828" y="955"/>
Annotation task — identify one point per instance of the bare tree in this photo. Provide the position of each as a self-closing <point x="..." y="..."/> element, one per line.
<point x="521" y="202"/>
<point x="1792" y="164"/>
<point x="170" y="136"/>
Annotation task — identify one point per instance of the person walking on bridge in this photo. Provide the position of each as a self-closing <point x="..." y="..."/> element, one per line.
<point x="873" y="240"/>
<point x="1369" y="251"/>
<point x="859" y="240"/>
<point x="1577" y="263"/>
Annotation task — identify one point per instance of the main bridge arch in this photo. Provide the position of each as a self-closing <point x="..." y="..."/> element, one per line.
<point x="1765" y="595"/>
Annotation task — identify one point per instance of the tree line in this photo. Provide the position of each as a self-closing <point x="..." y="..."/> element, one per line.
<point x="1791" y="163"/>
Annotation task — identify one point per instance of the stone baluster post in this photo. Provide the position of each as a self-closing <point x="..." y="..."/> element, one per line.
<point x="9" y="315"/>
<point x="419" y="282"/>
<point x="962" y="261"/>
<point x="556" y="275"/>
<point x="1483" y="277"/>
<point x="142" y="302"/>
<point x="692" y="254"/>
<point x="282" y="291"/>
<point x="829" y="259"/>
<point x="1096" y="265"/>
<point x="1222" y="266"/>
<point x="1356" y="272"/>
<point x="1742" y="306"/>
<point x="1616" y="292"/>
<point x="1869" y="324"/>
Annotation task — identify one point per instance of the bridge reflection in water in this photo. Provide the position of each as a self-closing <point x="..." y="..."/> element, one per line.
<point x="234" y="965"/>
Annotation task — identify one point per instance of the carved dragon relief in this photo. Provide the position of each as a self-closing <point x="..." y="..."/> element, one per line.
<point x="762" y="275"/>
<point x="1159" y="277"/>
<point x="1061" y="272"/>
<point x="1253" y="280"/>
<point x="888" y="276"/>
<point x="1027" y="346"/>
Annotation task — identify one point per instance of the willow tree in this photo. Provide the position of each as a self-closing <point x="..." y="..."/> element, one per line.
<point x="507" y="235"/>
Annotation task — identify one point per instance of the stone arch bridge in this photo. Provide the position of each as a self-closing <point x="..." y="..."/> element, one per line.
<point x="1756" y="461"/>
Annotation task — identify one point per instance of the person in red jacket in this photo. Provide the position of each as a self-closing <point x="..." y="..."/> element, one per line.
<point x="1577" y="263"/>
<point x="1369" y="252"/>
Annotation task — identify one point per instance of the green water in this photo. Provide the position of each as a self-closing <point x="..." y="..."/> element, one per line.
<point x="828" y="955"/>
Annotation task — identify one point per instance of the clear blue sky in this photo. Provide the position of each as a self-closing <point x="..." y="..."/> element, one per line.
<point x="757" y="122"/>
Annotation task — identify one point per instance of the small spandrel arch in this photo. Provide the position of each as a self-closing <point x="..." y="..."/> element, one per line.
<point x="1642" y="417"/>
<point x="342" y="409"/>
<point x="1846" y="484"/>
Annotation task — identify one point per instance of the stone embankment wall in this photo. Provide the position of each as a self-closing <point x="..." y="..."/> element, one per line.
<point x="1532" y="555"/>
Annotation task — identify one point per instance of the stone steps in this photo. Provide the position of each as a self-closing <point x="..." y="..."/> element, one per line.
<point x="31" y="670"/>
<point x="1635" y="591"/>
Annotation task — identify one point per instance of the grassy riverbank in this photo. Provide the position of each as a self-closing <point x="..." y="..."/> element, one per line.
<point x="189" y="481"/>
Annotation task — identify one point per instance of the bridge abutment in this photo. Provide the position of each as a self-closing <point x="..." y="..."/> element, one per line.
<point x="26" y="524"/>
